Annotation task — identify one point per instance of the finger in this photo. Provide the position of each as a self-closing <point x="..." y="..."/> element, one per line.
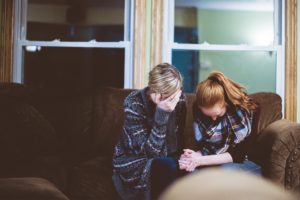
<point x="157" y="97"/>
<point x="171" y="97"/>
<point x="188" y="151"/>
<point x="154" y="97"/>
<point x="181" y="166"/>
<point x="185" y="162"/>
<point x="176" y="97"/>
<point x="185" y="159"/>
<point x="178" y="94"/>
<point x="191" y="168"/>
<point x="183" y="156"/>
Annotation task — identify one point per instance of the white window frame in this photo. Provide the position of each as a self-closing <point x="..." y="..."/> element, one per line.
<point x="279" y="48"/>
<point x="20" y="42"/>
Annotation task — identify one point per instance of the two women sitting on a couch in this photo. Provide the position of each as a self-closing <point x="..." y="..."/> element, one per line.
<point x="150" y="156"/>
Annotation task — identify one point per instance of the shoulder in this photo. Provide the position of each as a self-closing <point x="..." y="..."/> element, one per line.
<point x="135" y="97"/>
<point x="134" y="102"/>
<point x="242" y="112"/>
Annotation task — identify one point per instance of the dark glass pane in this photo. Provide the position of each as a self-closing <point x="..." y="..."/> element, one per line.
<point x="224" y="22"/>
<point x="256" y="70"/>
<point x="74" y="68"/>
<point x="75" y="20"/>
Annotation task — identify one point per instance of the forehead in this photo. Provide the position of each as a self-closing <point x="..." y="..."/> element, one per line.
<point x="212" y="110"/>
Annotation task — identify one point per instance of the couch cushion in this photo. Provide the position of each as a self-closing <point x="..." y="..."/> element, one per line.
<point x="71" y="114"/>
<point x="92" y="180"/>
<point x="270" y="108"/>
<point x="29" y="188"/>
<point x="108" y="118"/>
<point x="24" y="130"/>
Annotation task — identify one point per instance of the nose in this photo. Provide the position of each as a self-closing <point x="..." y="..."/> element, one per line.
<point x="214" y="118"/>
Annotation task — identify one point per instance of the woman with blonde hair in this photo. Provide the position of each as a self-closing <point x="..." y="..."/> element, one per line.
<point x="223" y="114"/>
<point x="152" y="130"/>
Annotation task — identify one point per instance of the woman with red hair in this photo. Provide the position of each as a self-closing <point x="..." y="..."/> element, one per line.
<point x="223" y="114"/>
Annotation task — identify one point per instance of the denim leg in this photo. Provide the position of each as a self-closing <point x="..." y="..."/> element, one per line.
<point x="164" y="171"/>
<point x="247" y="166"/>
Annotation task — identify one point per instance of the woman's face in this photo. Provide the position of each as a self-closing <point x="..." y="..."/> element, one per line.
<point x="218" y="110"/>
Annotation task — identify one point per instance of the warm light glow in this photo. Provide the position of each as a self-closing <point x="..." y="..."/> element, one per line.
<point x="262" y="38"/>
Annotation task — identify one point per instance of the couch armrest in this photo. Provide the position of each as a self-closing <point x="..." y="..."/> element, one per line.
<point x="278" y="150"/>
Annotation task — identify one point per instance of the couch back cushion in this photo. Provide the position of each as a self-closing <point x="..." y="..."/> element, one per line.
<point x="90" y="122"/>
<point x="269" y="110"/>
<point x="71" y="114"/>
<point x="25" y="132"/>
<point x="108" y="118"/>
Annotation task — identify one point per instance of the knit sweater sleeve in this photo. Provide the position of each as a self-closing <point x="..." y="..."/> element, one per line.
<point x="139" y="138"/>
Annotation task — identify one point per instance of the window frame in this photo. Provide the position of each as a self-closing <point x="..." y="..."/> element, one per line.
<point x="277" y="47"/>
<point x="21" y="41"/>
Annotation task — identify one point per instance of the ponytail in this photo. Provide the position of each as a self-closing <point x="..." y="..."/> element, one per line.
<point x="218" y="88"/>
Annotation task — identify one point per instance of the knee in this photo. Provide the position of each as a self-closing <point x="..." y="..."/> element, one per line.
<point x="164" y="164"/>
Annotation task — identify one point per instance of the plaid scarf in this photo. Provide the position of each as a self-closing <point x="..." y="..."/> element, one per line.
<point x="216" y="137"/>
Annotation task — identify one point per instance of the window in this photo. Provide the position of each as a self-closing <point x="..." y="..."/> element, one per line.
<point x="243" y="39"/>
<point x="74" y="43"/>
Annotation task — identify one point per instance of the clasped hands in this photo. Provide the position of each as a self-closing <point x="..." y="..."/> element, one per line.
<point x="189" y="160"/>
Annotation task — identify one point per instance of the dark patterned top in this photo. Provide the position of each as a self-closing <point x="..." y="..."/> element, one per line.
<point x="144" y="137"/>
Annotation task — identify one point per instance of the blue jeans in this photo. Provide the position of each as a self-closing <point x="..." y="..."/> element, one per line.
<point x="247" y="166"/>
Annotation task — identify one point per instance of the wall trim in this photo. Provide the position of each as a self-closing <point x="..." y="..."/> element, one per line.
<point x="140" y="43"/>
<point x="291" y="60"/>
<point x="6" y="41"/>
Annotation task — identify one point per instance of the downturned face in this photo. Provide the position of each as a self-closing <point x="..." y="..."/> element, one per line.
<point x="218" y="110"/>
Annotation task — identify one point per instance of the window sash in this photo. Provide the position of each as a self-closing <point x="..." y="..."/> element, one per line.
<point x="21" y="41"/>
<point x="170" y="45"/>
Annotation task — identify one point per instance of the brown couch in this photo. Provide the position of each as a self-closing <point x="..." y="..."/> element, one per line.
<point x="58" y="144"/>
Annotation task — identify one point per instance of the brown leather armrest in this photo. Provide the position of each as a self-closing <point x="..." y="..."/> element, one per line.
<point x="278" y="150"/>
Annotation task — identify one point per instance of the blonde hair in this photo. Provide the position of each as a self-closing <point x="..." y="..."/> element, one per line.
<point x="218" y="88"/>
<point x="165" y="79"/>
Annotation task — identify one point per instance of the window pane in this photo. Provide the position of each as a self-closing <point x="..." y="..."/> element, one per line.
<point x="74" y="68"/>
<point x="76" y="20"/>
<point x="224" y="22"/>
<point x="256" y="70"/>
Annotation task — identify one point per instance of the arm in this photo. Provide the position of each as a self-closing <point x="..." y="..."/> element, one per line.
<point x="214" y="159"/>
<point x="277" y="149"/>
<point x="138" y="137"/>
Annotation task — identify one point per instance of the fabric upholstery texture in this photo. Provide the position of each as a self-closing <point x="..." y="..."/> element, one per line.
<point x="279" y="152"/>
<point x="25" y="132"/>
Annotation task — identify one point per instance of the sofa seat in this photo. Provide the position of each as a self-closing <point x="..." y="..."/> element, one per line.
<point x="29" y="188"/>
<point x="92" y="179"/>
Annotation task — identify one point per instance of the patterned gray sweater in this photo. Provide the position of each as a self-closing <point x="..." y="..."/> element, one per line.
<point x="144" y="137"/>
